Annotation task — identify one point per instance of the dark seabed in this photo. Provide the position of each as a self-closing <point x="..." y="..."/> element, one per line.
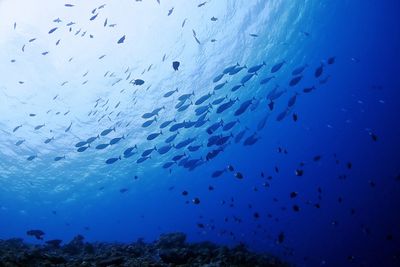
<point x="199" y="133"/>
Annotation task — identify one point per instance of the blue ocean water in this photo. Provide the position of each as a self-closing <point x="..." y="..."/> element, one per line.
<point x="321" y="172"/>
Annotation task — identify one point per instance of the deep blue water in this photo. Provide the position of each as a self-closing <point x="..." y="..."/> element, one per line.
<point x="355" y="184"/>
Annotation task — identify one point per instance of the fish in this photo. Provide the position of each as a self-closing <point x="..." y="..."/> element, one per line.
<point x="185" y="97"/>
<point x="148" y="122"/>
<point x="53" y="30"/>
<point x="142" y="159"/>
<point x="194" y="148"/>
<point x="82" y="148"/>
<point x="240" y="135"/>
<point x="243" y="107"/>
<point x="331" y="60"/>
<point x="262" y="123"/>
<point x="107" y="131"/>
<point x="170" y="11"/>
<point x="166" y="123"/>
<point x="95" y="16"/>
<point x="152" y="136"/>
<point x="266" y="80"/>
<point x="112" y="160"/>
<point x="204" y="98"/>
<point x="213" y="19"/>
<point x="169" y="93"/>
<point x="177" y="126"/>
<point x="16" y="128"/>
<point x="92" y="139"/>
<point x="237" y="70"/>
<point x="38" y="234"/>
<point x="19" y="142"/>
<point x="282" y="115"/>
<point x="228" y="126"/>
<point x="251" y="140"/>
<point x="226" y="105"/>
<point x="102" y="146"/>
<point x="308" y="89"/>
<point x="184" y="143"/>
<point x="59" y="158"/>
<point x="39" y="126"/>
<point x="318" y="71"/>
<point x="220" y="86"/>
<point x="211" y="129"/>
<point x="277" y="67"/>
<point x="69" y="5"/>
<point x="219" y="100"/>
<point x="202" y="109"/>
<point x="218" y="173"/>
<point x="48" y="140"/>
<point x="230" y="68"/>
<point x="168" y="164"/>
<point x="175" y="65"/>
<point x="129" y="151"/>
<point x="116" y="140"/>
<point x="147" y="152"/>
<point x="138" y="82"/>
<point x="121" y="40"/>
<point x="294" y="81"/>
<point x="246" y="78"/>
<point x="292" y="100"/>
<point x="164" y="149"/>
<point x="236" y="87"/>
<point x="299" y="70"/>
<point x="256" y="68"/>
<point x="178" y="157"/>
<point x="218" y="78"/>
<point x="30" y="158"/>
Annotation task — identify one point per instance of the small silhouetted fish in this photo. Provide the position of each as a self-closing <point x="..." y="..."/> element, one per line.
<point x="230" y="125"/>
<point x="194" y="148"/>
<point x="266" y="80"/>
<point x="153" y="136"/>
<point x="142" y="159"/>
<point x="262" y="123"/>
<point x="226" y="105"/>
<point x="80" y="144"/>
<point x="295" y="80"/>
<point x="237" y="70"/>
<point x="256" y="68"/>
<point x="129" y="151"/>
<point x="107" y="131"/>
<point x="171" y="138"/>
<point x="138" y="82"/>
<point x="168" y="164"/>
<point x="38" y="234"/>
<point x="123" y="190"/>
<point x="218" y="78"/>
<point x="185" y="97"/>
<point x="281" y="238"/>
<point x="219" y="100"/>
<point x="295" y="117"/>
<point x="238" y="175"/>
<point x="240" y="135"/>
<point x="121" y="40"/>
<point x="18" y="143"/>
<point x="116" y="140"/>
<point x="292" y="100"/>
<point x="39" y="126"/>
<point x="148" y="151"/>
<point x="296" y="208"/>
<point x="59" y="158"/>
<point x="217" y="173"/>
<point x="166" y="123"/>
<point x="148" y="122"/>
<point x="53" y="30"/>
<point x="82" y="148"/>
<point x="94" y="17"/>
<point x="277" y="67"/>
<point x="230" y="68"/>
<point x="164" y="149"/>
<point x="373" y="136"/>
<point x="30" y="158"/>
<point x="243" y="107"/>
<point x="102" y="146"/>
<point x="48" y="140"/>
<point x="236" y="87"/>
<point x="92" y="139"/>
<point x="203" y="98"/>
<point x="299" y="172"/>
<point x="69" y="5"/>
<point x="308" y="89"/>
<point x="112" y="160"/>
<point x="251" y="140"/>
<point x="331" y="60"/>
<point x="246" y="78"/>
<point x="282" y="115"/>
<point x="299" y="70"/>
<point x="196" y="200"/>
<point x="318" y="72"/>
<point x="175" y="65"/>
<point x="214" y="19"/>
<point x="176" y="126"/>
<point x="16" y="128"/>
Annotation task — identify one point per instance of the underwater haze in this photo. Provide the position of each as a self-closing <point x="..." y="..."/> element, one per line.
<point x="272" y="123"/>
